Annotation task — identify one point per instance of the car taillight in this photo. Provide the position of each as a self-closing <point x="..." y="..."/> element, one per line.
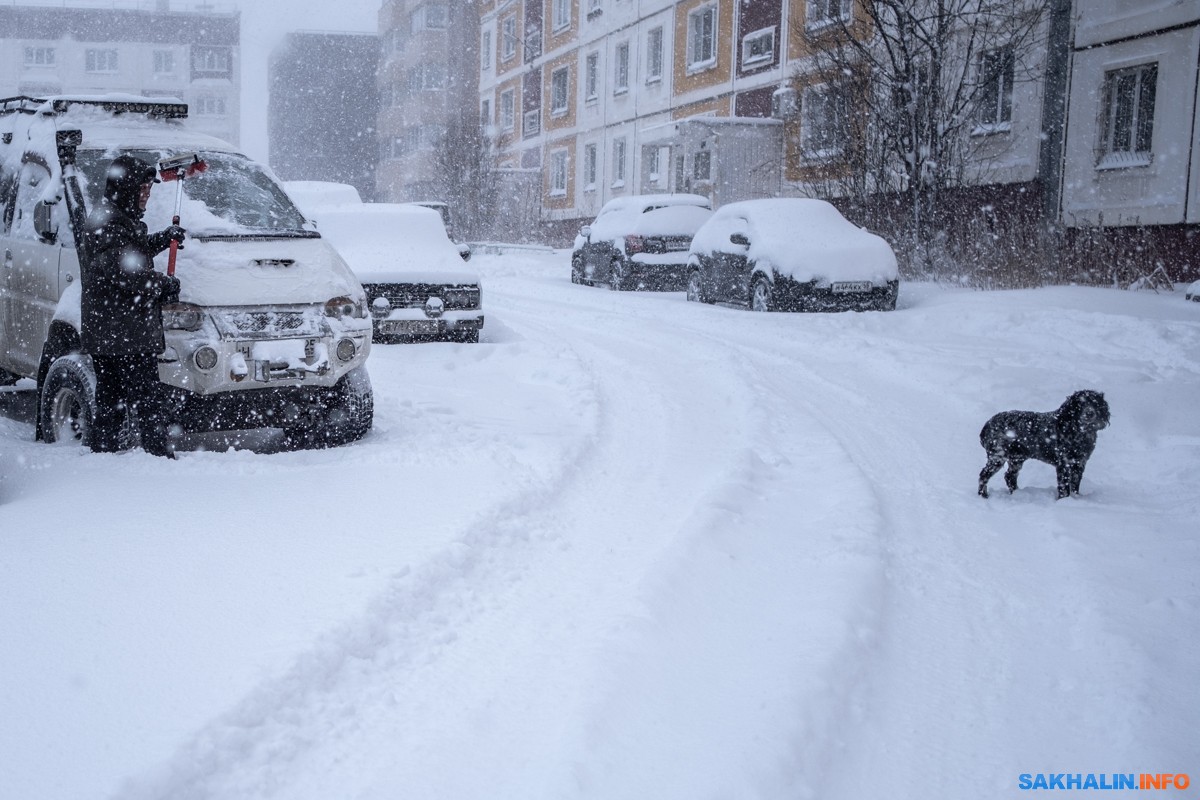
<point x="634" y="244"/>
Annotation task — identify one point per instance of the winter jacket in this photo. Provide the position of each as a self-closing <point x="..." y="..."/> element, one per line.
<point x="122" y="293"/>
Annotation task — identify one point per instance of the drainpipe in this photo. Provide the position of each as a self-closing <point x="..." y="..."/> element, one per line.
<point x="1054" y="109"/>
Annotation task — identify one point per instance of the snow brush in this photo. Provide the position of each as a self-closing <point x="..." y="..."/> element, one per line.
<point x="176" y="169"/>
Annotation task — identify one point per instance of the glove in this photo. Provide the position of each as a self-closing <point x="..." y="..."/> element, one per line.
<point x="169" y="289"/>
<point x="174" y="233"/>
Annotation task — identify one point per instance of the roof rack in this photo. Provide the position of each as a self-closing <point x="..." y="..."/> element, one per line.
<point x="115" y="105"/>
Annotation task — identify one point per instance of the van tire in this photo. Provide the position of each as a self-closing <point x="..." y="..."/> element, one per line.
<point x="347" y="417"/>
<point x="67" y="404"/>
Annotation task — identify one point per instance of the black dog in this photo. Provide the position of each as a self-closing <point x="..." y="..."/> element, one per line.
<point x="1064" y="438"/>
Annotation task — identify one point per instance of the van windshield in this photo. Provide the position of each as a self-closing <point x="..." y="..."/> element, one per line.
<point x="232" y="198"/>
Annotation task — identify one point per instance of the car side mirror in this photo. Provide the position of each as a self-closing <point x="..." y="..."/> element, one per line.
<point x="739" y="238"/>
<point x="586" y="232"/>
<point x="465" y="252"/>
<point x="43" y="222"/>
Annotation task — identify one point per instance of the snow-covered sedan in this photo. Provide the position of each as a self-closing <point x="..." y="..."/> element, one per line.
<point x="639" y="242"/>
<point x="790" y="255"/>
<point x="417" y="288"/>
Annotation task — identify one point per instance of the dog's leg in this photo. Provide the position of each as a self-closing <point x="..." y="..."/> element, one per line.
<point x="1010" y="474"/>
<point x="993" y="466"/>
<point x="1070" y="473"/>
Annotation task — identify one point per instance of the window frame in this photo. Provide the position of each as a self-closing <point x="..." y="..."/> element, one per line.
<point x="758" y="60"/>
<point x="560" y="102"/>
<point x="830" y="100"/>
<point x="485" y="51"/>
<point x="655" y="39"/>
<point x="92" y="60"/>
<point x="694" y="61"/>
<point x="560" y="15"/>
<point x="824" y="19"/>
<point x="40" y="56"/>
<point x="621" y="68"/>
<point x="997" y="69"/>
<point x="506" y="110"/>
<point x="559" y="164"/>
<point x="620" y="151"/>
<point x="508" y="37"/>
<point x="590" y="166"/>
<point x="1139" y="151"/>
<point x="591" y="80"/>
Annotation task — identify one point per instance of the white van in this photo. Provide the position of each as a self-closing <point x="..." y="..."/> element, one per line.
<point x="271" y="329"/>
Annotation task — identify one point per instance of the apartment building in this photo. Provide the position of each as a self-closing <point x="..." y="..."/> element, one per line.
<point x="594" y="99"/>
<point x="323" y="107"/>
<point x="189" y="55"/>
<point x="427" y="88"/>
<point x="1133" y="131"/>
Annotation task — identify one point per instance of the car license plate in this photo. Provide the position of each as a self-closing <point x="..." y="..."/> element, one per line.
<point x="409" y="327"/>
<point x="844" y="287"/>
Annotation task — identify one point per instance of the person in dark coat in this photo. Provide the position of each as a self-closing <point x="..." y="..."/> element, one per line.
<point x="122" y="309"/>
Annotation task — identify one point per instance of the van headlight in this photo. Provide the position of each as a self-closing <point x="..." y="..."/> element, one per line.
<point x="341" y="307"/>
<point x="182" y="317"/>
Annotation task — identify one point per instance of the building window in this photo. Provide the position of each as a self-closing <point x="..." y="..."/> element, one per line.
<point x="654" y="55"/>
<point x="621" y="69"/>
<point x="594" y="9"/>
<point x="653" y="158"/>
<point x="164" y="62"/>
<point x="589" y="167"/>
<point x="591" y="84"/>
<point x="758" y="47"/>
<point x="702" y="165"/>
<point x="208" y="106"/>
<point x="39" y="56"/>
<point x="618" y="168"/>
<point x="1129" y="116"/>
<point x="995" y="97"/>
<point x="211" y="62"/>
<point x="507" y="110"/>
<point x="531" y="123"/>
<point x="560" y="14"/>
<point x="558" y="173"/>
<point x="429" y="17"/>
<point x="485" y="113"/>
<point x="822" y="13"/>
<point x="100" y="60"/>
<point x="702" y="38"/>
<point x="485" y="51"/>
<point x="822" y="122"/>
<point x="559" y="90"/>
<point x="508" y="38"/>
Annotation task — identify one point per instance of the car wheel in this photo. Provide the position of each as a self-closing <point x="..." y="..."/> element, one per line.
<point x="760" y="294"/>
<point x="67" y="406"/>
<point x="695" y="292"/>
<point x="616" y="277"/>
<point x="347" y="416"/>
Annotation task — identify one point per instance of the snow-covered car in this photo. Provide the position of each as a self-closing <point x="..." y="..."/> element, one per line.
<point x="1193" y="292"/>
<point x="416" y="285"/>
<point x="311" y="196"/>
<point x="639" y="242"/>
<point x="271" y="328"/>
<point x="443" y="208"/>
<point x="790" y="255"/>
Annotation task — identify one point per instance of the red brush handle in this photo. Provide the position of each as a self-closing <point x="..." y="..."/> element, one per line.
<point x="174" y="249"/>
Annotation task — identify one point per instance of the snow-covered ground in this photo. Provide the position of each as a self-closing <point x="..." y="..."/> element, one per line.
<point x="630" y="547"/>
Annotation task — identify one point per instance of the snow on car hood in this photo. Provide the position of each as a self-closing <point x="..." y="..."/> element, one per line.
<point x="802" y="238"/>
<point x="394" y="243"/>
<point x="239" y="271"/>
<point x="671" y="221"/>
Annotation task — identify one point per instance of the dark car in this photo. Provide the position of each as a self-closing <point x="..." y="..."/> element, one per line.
<point x="790" y="255"/>
<point x="639" y="242"/>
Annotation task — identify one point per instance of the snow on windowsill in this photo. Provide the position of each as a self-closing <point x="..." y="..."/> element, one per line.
<point x="701" y="66"/>
<point x="620" y="90"/>
<point x="557" y="112"/>
<point x="991" y="128"/>
<point x="1123" y="160"/>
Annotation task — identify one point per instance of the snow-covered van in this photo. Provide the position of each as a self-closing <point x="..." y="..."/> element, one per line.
<point x="271" y="328"/>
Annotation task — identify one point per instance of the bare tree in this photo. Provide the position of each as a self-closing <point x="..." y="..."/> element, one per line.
<point x="900" y="85"/>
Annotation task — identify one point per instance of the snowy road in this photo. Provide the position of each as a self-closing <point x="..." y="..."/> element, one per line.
<point x="631" y="547"/>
